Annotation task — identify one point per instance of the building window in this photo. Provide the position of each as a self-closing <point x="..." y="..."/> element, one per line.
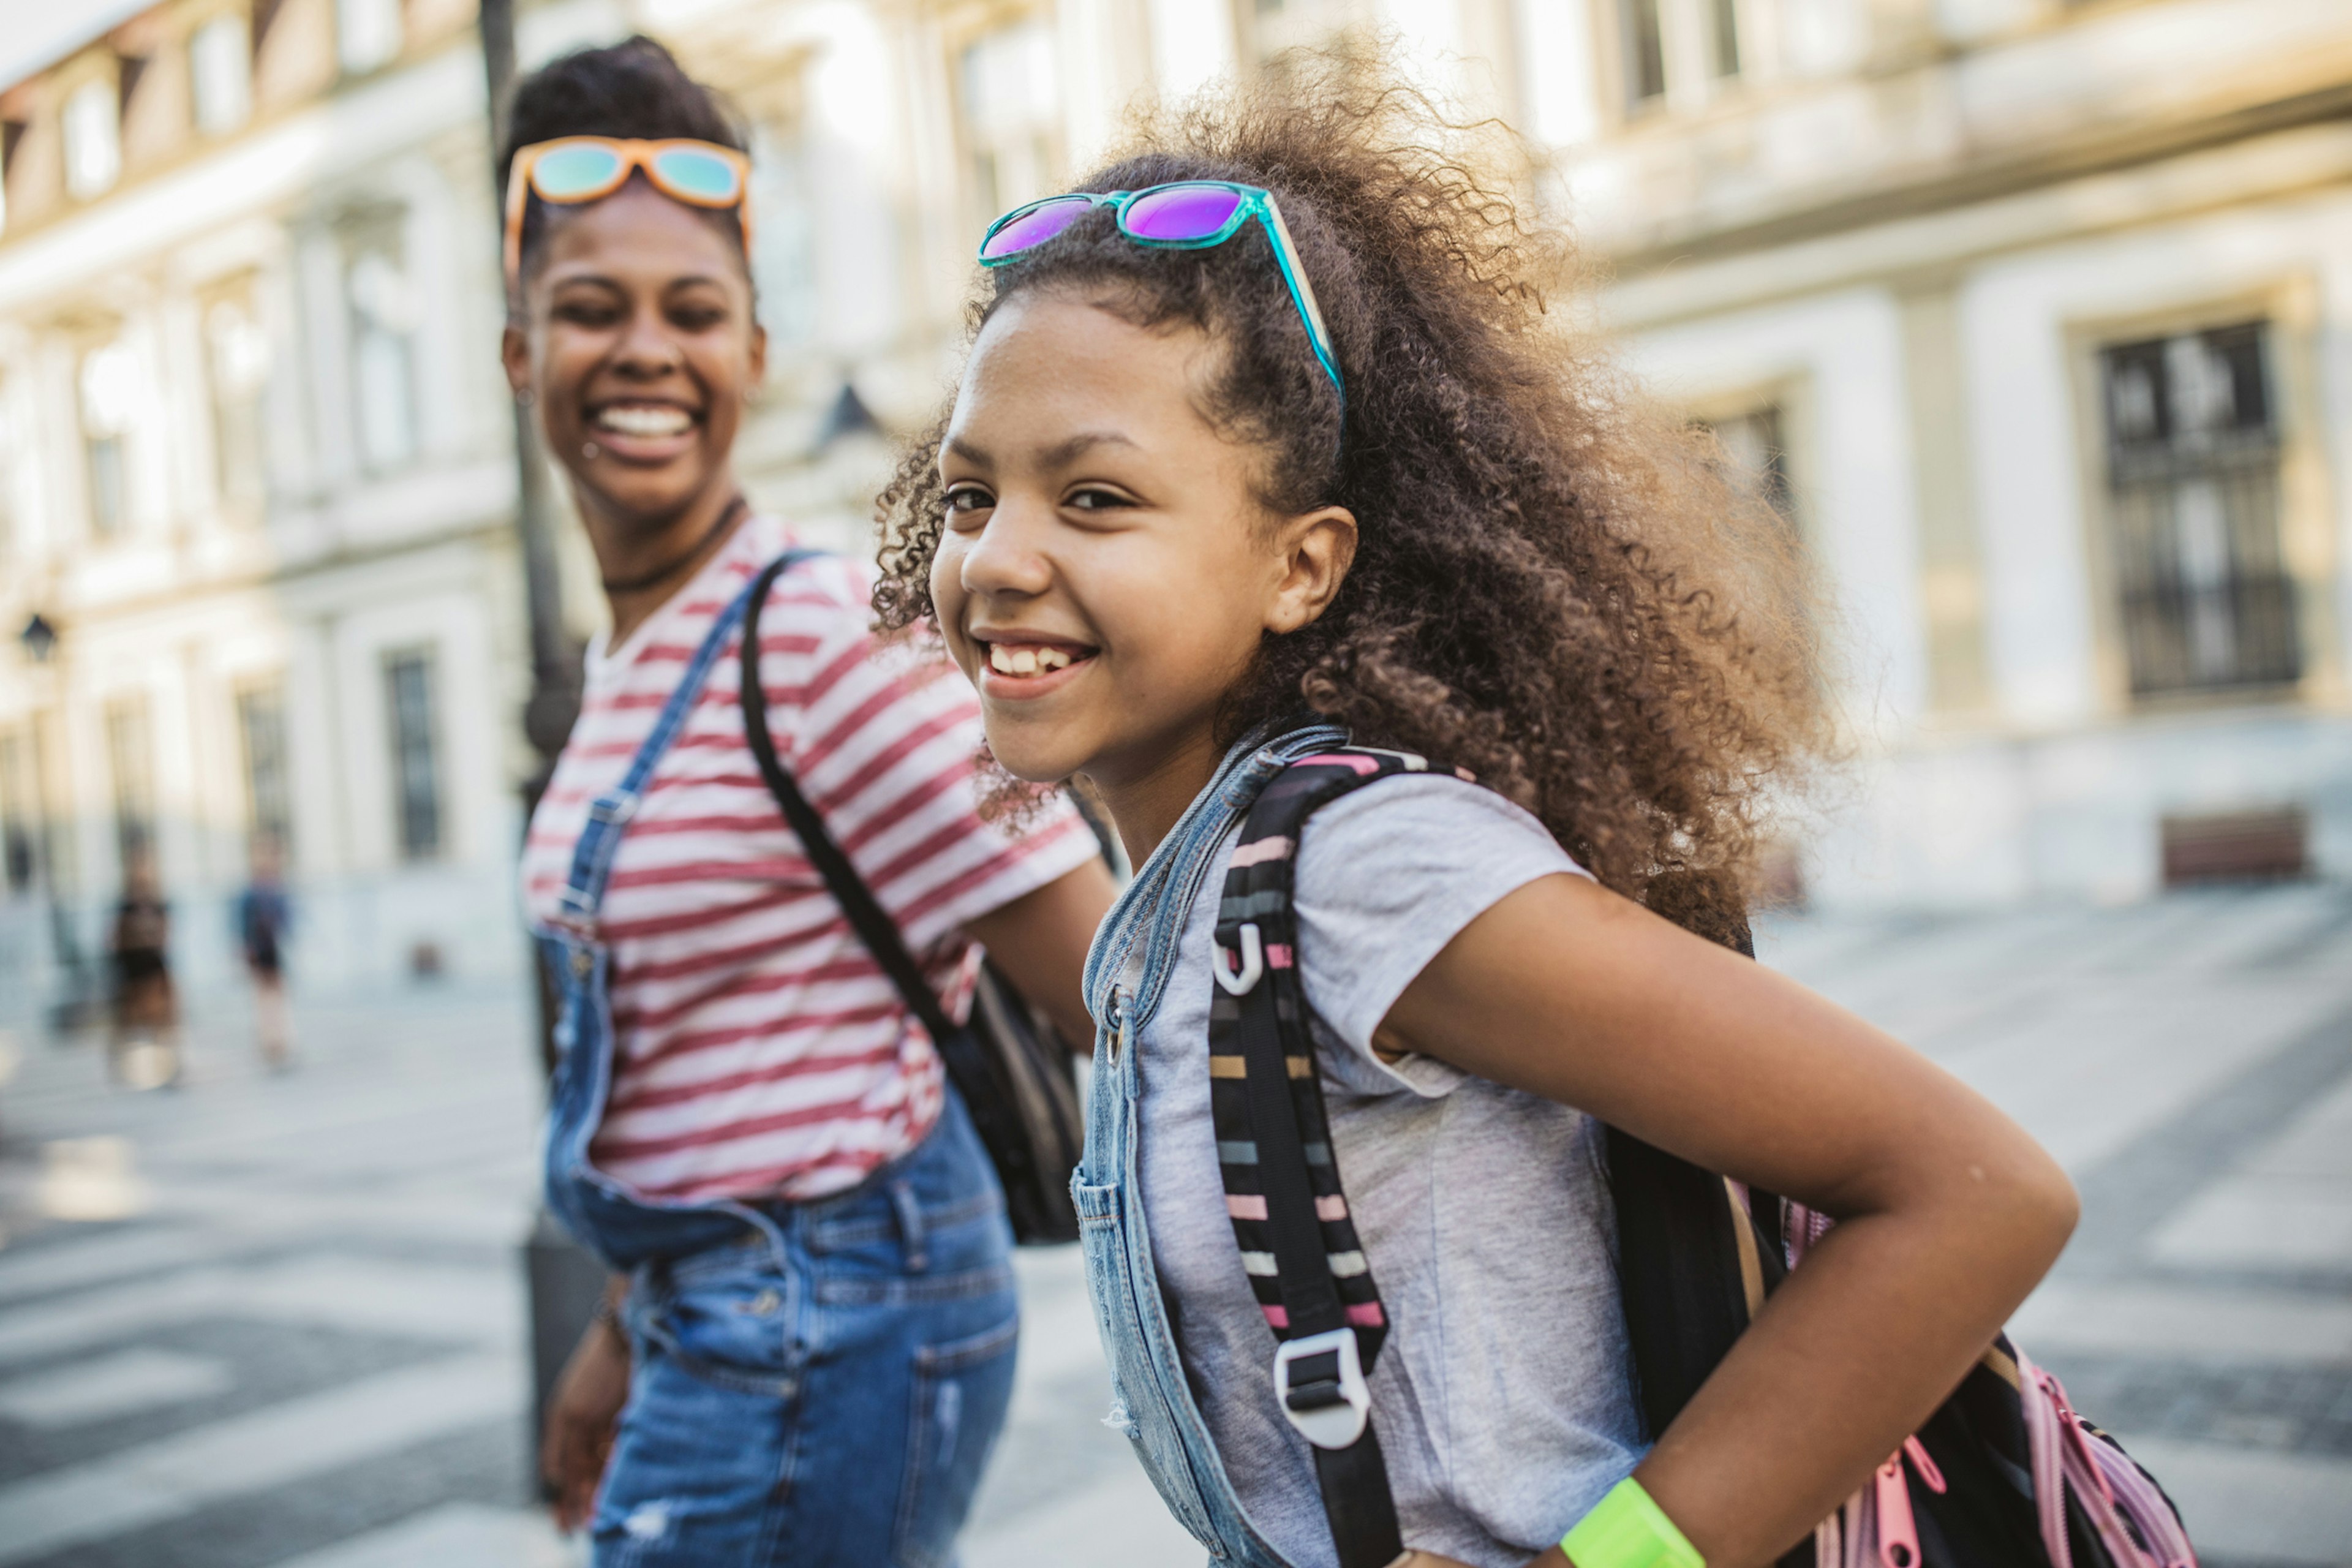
<point x="220" y="62"/>
<point x="1276" y="26"/>
<point x="109" y="398"/>
<point x="1755" y="449"/>
<point x="408" y="686"/>
<point x="2193" y="503"/>
<point x="93" y="132"/>
<point x="8" y="447"/>
<point x="1011" y="115"/>
<point x="383" y="320"/>
<point x="1677" y="50"/>
<point x="131" y="760"/>
<point x="1645" y="52"/>
<point x="261" y="729"/>
<point x="368" y="33"/>
<point x="236" y="369"/>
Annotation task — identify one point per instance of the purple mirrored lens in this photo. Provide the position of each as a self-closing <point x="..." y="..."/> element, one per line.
<point x="1180" y="212"/>
<point x="1035" y="227"/>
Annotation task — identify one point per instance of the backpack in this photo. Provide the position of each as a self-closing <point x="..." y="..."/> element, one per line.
<point x="2004" y="1472"/>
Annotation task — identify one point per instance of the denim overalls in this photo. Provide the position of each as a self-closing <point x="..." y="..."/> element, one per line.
<point x="817" y="1384"/>
<point x="1127" y="970"/>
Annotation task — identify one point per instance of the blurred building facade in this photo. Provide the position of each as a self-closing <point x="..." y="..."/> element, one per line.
<point x="2041" y="316"/>
<point x="2032" y="316"/>
<point x="257" y="482"/>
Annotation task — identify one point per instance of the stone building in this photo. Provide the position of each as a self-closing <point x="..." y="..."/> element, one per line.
<point x="2032" y="316"/>
<point x="2040" y="315"/>
<point x="255" y="482"/>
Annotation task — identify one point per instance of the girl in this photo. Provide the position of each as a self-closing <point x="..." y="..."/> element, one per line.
<point x="812" y="1320"/>
<point x="1184" y="525"/>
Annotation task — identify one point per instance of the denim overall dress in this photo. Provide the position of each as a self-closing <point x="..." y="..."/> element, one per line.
<point x="1127" y="971"/>
<point x="818" y="1382"/>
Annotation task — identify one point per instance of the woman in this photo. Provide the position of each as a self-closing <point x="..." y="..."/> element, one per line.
<point x="815" y="1326"/>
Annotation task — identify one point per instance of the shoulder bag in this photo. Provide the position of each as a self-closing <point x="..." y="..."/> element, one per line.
<point x="1016" y="1077"/>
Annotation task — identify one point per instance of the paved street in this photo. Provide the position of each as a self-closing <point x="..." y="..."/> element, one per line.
<point x="267" y="1321"/>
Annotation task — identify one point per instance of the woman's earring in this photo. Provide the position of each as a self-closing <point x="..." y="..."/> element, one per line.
<point x="525" y="397"/>
<point x="590" y="451"/>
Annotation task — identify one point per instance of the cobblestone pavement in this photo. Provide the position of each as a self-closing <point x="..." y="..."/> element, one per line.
<point x="276" y="1321"/>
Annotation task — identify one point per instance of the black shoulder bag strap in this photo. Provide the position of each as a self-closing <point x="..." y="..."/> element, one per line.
<point x="1695" y="1266"/>
<point x="871" y="922"/>
<point x="1289" y="1213"/>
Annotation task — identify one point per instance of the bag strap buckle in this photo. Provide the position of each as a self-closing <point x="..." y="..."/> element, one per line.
<point x="1250" y="962"/>
<point x="1318" y="1380"/>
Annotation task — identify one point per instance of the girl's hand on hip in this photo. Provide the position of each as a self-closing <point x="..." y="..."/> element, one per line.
<point x="583" y="1415"/>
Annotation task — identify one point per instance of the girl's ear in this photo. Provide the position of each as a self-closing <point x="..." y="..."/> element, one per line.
<point x="1316" y="549"/>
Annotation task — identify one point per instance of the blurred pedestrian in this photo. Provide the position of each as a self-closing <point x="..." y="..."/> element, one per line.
<point x="263" y="914"/>
<point x="815" y="1325"/>
<point x="143" y="1049"/>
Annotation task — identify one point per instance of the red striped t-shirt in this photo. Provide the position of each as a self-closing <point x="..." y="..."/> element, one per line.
<point x="759" y="1050"/>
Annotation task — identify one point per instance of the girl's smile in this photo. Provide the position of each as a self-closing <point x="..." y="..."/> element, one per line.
<point x="1022" y="666"/>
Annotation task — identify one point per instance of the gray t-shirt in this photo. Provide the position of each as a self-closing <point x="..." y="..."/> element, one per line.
<point x="1504" y="1395"/>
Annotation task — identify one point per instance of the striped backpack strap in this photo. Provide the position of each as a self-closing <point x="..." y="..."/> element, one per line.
<point x="1283" y="1192"/>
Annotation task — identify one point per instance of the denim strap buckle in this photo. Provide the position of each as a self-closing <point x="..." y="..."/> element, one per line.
<point x="613" y="808"/>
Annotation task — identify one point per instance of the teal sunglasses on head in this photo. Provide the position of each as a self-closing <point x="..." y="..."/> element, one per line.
<point x="1187" y="214"/>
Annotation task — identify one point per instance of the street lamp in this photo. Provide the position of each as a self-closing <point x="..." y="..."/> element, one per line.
<point x="39" y="638"/>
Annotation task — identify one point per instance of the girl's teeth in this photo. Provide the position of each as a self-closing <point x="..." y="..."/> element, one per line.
<point x="1007" y="660"/>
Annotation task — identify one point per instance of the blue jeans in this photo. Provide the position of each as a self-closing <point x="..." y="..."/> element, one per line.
<point x="829" y="1402"/>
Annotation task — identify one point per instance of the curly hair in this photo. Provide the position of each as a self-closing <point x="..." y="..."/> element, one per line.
<point x="1556" y="585"/>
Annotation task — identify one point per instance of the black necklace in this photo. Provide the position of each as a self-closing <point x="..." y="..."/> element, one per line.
<point x="660" y="575"/>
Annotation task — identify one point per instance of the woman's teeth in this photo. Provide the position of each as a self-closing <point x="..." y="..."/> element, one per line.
<point x="1026" y="659"/>
<point x="644" y="419"/>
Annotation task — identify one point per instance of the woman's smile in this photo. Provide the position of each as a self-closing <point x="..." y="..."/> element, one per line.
<point x="643" y="430"/>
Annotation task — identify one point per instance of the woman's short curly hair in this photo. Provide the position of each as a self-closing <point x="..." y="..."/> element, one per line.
<point x="634" y="89"/>
<point x="1555" y="585"/>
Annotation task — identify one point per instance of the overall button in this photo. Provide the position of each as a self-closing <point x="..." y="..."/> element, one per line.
<point x="583" y="960"/>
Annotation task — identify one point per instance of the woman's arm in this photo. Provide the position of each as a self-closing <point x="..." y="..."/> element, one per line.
<point x="1040" y="940"/>
<point x="1947" y="1212"/>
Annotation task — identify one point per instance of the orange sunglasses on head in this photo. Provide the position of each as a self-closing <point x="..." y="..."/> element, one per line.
<point x="571" y="170"/>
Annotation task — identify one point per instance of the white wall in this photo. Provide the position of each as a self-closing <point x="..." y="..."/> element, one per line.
<point x="1843" y="354"/>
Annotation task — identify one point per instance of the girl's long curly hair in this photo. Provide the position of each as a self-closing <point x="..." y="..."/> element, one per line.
<point x="1555" y="585"/>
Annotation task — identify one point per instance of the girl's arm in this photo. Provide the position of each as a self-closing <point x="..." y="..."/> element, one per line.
<point x="1947" y="1212"/>
<point x="1040" y="940"/>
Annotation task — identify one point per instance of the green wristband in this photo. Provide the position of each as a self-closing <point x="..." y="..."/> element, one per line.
<point x="1627" y="1530"/>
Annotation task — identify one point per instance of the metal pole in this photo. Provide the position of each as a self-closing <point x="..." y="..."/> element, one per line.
<point x="563" y="1281"/>
<point x="555" y="700"/>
